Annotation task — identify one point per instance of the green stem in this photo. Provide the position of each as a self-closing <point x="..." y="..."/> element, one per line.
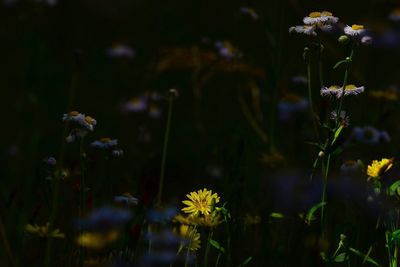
<point x="325" y="182"/>
<point x="320" y="68"/>
<point x="345" y="80"/>
<point x="82" y="196"/>
<point x="218" y="258"/>
<point x="164" y="153"/>
<point x="207" y="248"/>
<point x="58" y="176"/>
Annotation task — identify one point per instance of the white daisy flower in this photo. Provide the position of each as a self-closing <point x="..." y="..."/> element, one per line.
<point x="354" y="30"/>
<point x="351" y="89"/>
<point x="331" y="90"/>
<point x="324" y="17"/>
<point x="73" y="116"/>
<point x="303" y="29"/>
<point x="88" y="122"/>
<point x="105" y="143"/>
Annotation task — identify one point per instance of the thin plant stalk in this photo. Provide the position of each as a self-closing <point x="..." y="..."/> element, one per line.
<point x="171" y="96"/>
<point x="53" y="212"/>
<point x="207" y="252"/>
<point x="82" y="196"/>
<point x="325" y="182"/>
<point x="218" y="258"/>
<point x="345" y="80"/>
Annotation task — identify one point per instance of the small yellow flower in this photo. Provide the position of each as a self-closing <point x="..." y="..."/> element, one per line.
<point x="210" y="221"/>
<point x="377" y="168"/>
<point x="201" y="201"/>
<point x="97" y="240"/>
<point x="43" y="231"/>
<point x="191" y="234"/>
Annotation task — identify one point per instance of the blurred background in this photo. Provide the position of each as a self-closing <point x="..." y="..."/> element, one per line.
<point x="240" y="123"/>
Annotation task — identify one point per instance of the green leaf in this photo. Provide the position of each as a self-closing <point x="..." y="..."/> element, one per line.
<point x="392" y="190"/>
<point x="394" y="235"/>
<point x="246" y="262"/>
<point x="277" y="215"/>
<point x="341" y="257"/>
<point x="341" y="62"/>
<point x="310" y="214"/>
<point x="365" y="257"/>
<point x="337" y="134"/>
<point x="216" y="245"/>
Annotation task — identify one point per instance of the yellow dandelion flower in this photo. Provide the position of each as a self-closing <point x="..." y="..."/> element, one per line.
<point x="43" y="231"/>
<point x="378" y="167"/>
<point x="191" y="234"/>
<point x="201" y="201"/>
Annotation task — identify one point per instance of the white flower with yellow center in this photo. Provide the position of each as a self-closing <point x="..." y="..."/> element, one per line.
<point x="303" y="29"/>
<point x="324" y="17"/>
<point x="73" y="116"/>
<point x="88" y="122"/>
<point x="354" y="30"/>
<point x="337" y="91"/>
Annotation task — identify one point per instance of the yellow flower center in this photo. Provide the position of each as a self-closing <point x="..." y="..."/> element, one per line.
<point x="350" y="87"/>
<point x="357" y="27"/>
<point x="334" y="87"/>
<point x="105" y="139"/>
<point x="326" y="13"/>
<point x="315" y="14"/>
<point x="127" y="195"/>
<point x="89" y="119"/>
<point x="73" y="113"/>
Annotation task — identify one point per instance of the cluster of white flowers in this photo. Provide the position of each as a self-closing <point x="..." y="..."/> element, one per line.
<point x="82" y="124"/>
<point x="315" y="20"/>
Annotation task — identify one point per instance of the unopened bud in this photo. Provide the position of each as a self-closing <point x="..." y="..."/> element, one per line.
<point x="321" y="154"/>
<point x="343" y="39"/>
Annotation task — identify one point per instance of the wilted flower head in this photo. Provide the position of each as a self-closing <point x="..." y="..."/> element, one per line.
<point x="105" y="219"/>
<point x="191" y="235"/>
<point x="121" y="51"/>
<point x="370" y="135"/>
<point x="379" y="167"/>
<point x="366" y="40"/>
<point x="43" y="231"/>
<point x="343" y="119"/>
<point x="250" y="12"/>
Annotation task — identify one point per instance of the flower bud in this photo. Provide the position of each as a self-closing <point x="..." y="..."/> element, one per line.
<point x="343" y="39"/>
